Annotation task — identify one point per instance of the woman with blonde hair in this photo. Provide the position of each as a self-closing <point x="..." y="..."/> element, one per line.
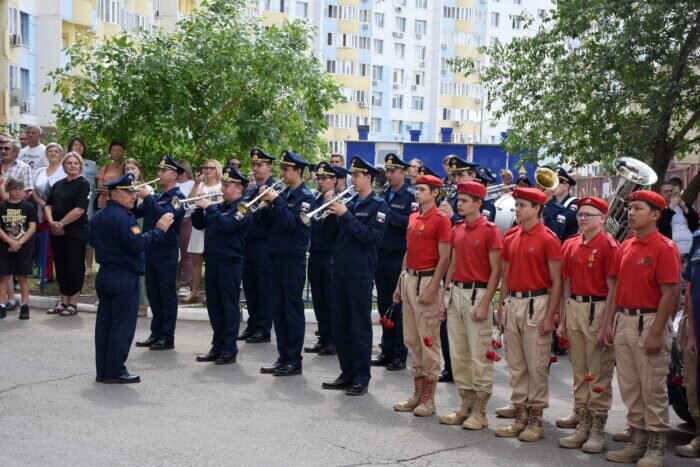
<point x="185" y="182"/>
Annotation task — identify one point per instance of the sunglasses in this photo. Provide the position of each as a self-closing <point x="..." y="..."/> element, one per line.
<point x="209" y="168"/>
<point x="5" y="148"/>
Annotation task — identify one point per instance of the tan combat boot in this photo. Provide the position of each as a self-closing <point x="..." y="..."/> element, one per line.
<point x="477" y="419"/>
<point x="414" y="400"/>
<point x="691" y="449"/>
<point x="596" y="436"/>
<point x="634" y="450"/>
<point x="427" y="402"/>
<point x="506" y="412"/>
<point x="518" y="425"/>
<point x="571" y="420"/>
<point x="580" y="436"/>
<point x="656" y="451"/>
<point x="462" y="413"/>
<point x="534" y="430"/>
<point x="624" y="436"/>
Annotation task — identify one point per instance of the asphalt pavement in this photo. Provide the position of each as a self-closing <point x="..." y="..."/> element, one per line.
<point x="186" y="413"/>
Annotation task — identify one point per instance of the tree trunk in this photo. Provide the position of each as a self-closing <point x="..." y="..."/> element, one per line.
<point x="660" y="160"/>
<point x="692" y="190"/>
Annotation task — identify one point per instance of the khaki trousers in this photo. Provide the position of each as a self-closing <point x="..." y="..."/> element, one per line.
<point x="690" y="360"/>
<point x="527" y="353"/>
<point x="642" y="377"/>
<point x="420" y="321"/>
<point x="469" y="341"/>
<point x="587" y="357"/>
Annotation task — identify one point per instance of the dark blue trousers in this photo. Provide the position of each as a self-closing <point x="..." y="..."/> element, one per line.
<point x="385" y="279"/>
<point x="223" y="290"/>
<point x="161" y="273"/>
<point x="320" y="274"/>
<point x="352" y="327"/>
<point x="257" y="270"/>
<point x="115" y="324"/>
<point x="285" y="291"/>
<point x="696" y="318"/>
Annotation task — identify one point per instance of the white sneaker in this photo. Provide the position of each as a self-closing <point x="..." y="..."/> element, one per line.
<point x="183" y="292"/>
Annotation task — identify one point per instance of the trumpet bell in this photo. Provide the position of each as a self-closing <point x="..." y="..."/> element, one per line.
<point x="546" y="178"/>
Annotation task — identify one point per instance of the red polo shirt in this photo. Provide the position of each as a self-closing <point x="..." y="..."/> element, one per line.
<point x="424" y="233"/>
<point x="643" y="266"/>
<point x="588" y="265"/>
<point x="472" y="244"/>
<point x="528" y="254"/>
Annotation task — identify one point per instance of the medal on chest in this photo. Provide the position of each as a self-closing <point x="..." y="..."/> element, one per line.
<point x="420" y="230"/>
<point x="591" y="258"/>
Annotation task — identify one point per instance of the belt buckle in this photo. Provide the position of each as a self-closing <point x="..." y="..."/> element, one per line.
<point x="519" y="295"/>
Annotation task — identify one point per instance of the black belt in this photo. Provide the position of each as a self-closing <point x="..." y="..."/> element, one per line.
<point x="426" y="273"/>
<point x="529" y="293"/>
<point x="637" y="311"/>
<point x="588" y="298"/>
<point x="470" y="285"/>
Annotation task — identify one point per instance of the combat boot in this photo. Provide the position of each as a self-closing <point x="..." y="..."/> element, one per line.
<point x="462" y="413"/>
<point x="571" y="420"/>
<point x="596" y="436"/>
<point x="691" y="449"/>
<point x="414" y="400"/>
<point x="634" y="450"/>
<point x="534" y="430"/>
<point x="580" y="436"/>
<point x="624" y="436"/>
<point x="656" y="451"/>
<point x="506" y="412"/>
<point x="517" y="426"/>
<point x="427" y="402"/>
<point x="477" y="419"/>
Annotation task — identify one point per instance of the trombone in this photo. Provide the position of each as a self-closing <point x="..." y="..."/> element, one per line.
<point x="142" y="185"/>
<point x="320" y="213"/>
<point x="496" y="191"/>
<point x="256" y="204"/>
<point x="187" y="202"/>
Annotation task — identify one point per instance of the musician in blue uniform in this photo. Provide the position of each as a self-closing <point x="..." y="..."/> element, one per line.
<point x="257" y="268"/>
<point x="224" y="244"/>
<point x="319" y="270"/>
<point x="161" y="258"/>
<point x="401" y="199"/>
<point x="559" y="218"/>
<point x="288" y="240"/>
<point x="356" y="230"/>
<point x="119" y="249"/>
<point x="486" y="178"/>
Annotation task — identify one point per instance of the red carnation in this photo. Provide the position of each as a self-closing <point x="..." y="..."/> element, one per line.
<point x="553" y="359"/>
<point x="677" y="380"/>
<point x="598" y="389"/>
<point x="496" y="357"/>
<point x="428" y="341"/>
<point x="563" y="343"/>
<point x="588" y="377"/>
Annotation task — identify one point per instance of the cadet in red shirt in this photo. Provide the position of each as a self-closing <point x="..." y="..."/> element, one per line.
<point x="532" y="284"/>
<point x="425" y="263"/>
<point x="590" y="272"/>
<point x="646" y="297"/>
<point x="471" y="282"/>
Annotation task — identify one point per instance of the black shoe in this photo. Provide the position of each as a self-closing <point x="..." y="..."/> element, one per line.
<point x="244" y="335"/>
<point x="163" y="344"/>
<point x="123" y="379"/>
<point x="396" y="364"/>
<point x="380" y="360"/>
<point x="147" y="343"/>
<point x="225" y="359"/>
<point x="3" y="312"/>
<point x="211" y="356"/>
<point x="287" y="370"/>
<point x="314" y="348"/>
<point x="257" y="338"/>
<point x="356" y="390"/>
<point x="24" y="312"/>
<point x="445" y="377"/>
<point x="99" y="379"/>
<point x="268" y="370"/>
<point x="327" y="350"/>
<point x="337" y="384"/>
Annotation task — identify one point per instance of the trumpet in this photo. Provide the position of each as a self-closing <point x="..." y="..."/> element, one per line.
<point x="496" y="191"/>
<point x="256" y="204"/>
<point x="187" y="202"/>
<point x="320" y="213"/>
<point x="141" y="185"/>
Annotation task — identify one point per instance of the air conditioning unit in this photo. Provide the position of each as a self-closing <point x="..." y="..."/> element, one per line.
<point x="457" y="123"/>
<point x="157" y="14"/>
<point x="399" y="9"/>
<point x="421" y="64"/>
<point x="444" y="72"/>
<point x="398" y="34"/>
<point x="15" y="40"/>
<point x="414" y="87"/>
<point x="419" y="36"/>
<point x="26" y="107"/>
<point x="443" y="46"/>
<point x="484" y="1"/>
<point x="375" y="83"/>
<point x="365" y="26"/>
<point x="397" y="86"/>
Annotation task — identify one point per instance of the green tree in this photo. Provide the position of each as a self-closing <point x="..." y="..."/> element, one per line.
<point x="601" y="79"/>
<point x="219" y="85"/>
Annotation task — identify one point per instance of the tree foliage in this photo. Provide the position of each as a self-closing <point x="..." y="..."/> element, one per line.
<point x="219" y="85"/>
<point x="600" y="79"/>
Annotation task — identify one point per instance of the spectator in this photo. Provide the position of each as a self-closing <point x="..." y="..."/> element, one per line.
<point x="412" y="171"/>
<point x="678" y="221"/>
<point x="77" y="145"/>
<point x="234" y="161"/>
<point x="110" y="171"/>
<point x="337" y="160"/>
<point x="523" y="182"/>
<point x="44" y="179"/>
<point x="23" y="140"/>
<point x="34" y="155"/>
<point x="185" y="182"/>
<point x="66" y="213"/>
<point x="12" y="166"/>
<point x="506" y="178"/>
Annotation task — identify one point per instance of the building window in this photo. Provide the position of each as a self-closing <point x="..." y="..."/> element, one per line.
<point x="330" y="39"/>
<point x="400" y="24"/>
<point x="516" y="22"/>
<point x="397" y="101"/>
<point x="399" y="76"/>
<point x="364" y="42"/>
<point x="301" y="10"/>
<point x="400" y="50"/>
<point x="379" y="20"/>
<point x="376" y="99"/>
<point x="365" y="16"/>
<point x="24" y="82"/>
<point x="417" y="103"/>
<point x="541" y="13"/>
<point x="493" y="41"/>
<point x="13" y="21"/>
<point x="419" y="78"/>
<point x="333" y="11"/>
<point x="422" y="4"/>
<point x="13" y="76"/>
<point x="377" y="72"/>
<point x="378" y="46"/>
<point x="330" y="66"/>
<point x="396" y="127"/>
<point x="518" y="2"/>
<point x="495" y="17"/>
<point x="24" y="27"/>
<point x="421" y="26"/>
<point x="376" y="125"/>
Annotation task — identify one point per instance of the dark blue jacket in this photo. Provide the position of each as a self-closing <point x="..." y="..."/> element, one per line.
<point x="288" y="235"/>
<point x="118" y="241"/>
<point x="560" y="220"/>
<point x="226" y="229"/>
<point x="491" y="208"/>
<point x="453" y="203"/>
<point x="400" y="206"/>
<point x="152" y="209"/>
<point x="319" y="243"/>
<point x="258" y="231"/>
<point x="692" y="274"/>
<point x="357" y="236"/>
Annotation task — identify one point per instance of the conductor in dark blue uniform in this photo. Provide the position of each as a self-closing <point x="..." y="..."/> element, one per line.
<point x="119" y="249"/>
<point x="161" y="258"/>
<point x="356" y="230"/>
<point x="400" y="197"/>
<point x="288" y="241"/>
<point x="224" y="244"/>
<point x="559" y="218"/>
<point x="486" y="178"/>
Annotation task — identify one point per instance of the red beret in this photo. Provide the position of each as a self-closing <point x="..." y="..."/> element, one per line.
<point x="474" y="189"/>
<point x="530" y="194"/>
<point x="650" y="197"/>
<point x="594" y="202"/>
<point x="429" y="180"/>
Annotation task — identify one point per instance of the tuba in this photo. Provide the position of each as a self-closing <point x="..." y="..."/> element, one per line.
<point x="633" y="175"/>
<point x="546" y="178"/>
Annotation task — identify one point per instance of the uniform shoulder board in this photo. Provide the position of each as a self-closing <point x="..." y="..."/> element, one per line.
<point x="306" y="191"/>
<point x="411" y="189"/>
<point x="378" y="199"/>
<point x="571" y="239"/>
<point x="511" y="231"/>
<point x="570" y="203"/>
<point x="669" y="243"/>
<point x="491" y="224"/>
<point x="551" y="232"/>
<point x="613" y="243"/>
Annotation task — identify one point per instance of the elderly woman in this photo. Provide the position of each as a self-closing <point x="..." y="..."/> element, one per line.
<point x="65" y="212"/>
<point x="44" y="179"/>
<point x="413" y="169"/>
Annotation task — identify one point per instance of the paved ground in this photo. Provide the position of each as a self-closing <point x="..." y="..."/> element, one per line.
<point x="53" y="413"/>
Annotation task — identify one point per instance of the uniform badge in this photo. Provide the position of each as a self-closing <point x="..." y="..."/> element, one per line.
<point x="135" y="230"/>
<point x="414" y="207"/>
<point x="573" y="207"/>
<point x="486" y="213"/>
<point x="647" y="261"/>
<point x="381" y="217"/>
<point x="477" y="242"/>
<point x="238" y="216"/>
<point x="305" y="207"/>
<point x="420" y="229"/>
<point x="561" y="219"/>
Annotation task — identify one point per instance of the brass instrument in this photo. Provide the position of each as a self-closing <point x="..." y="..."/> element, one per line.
<point x="187" y="202"/>
<point x="546" y="178"/>
<point x="320" y="213"/>
<point x="496" y="191"/>
<point x="142" y="185"/>
<point x="256" y="203"/>
<point x="634" y="175"/>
